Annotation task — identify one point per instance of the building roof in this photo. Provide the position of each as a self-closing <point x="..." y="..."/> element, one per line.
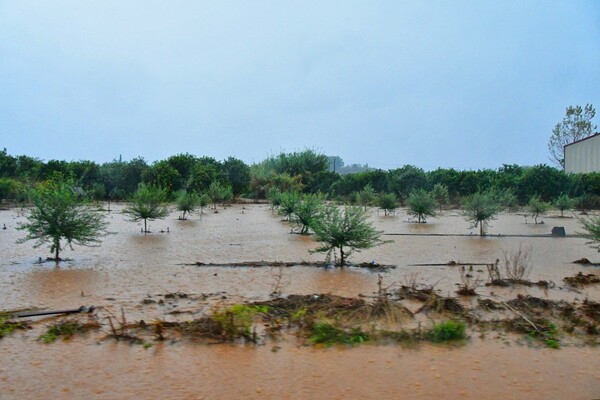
<point x="585" y="138"/>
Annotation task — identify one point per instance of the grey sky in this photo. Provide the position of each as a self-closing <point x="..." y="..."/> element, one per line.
<point x="435" y="84"/>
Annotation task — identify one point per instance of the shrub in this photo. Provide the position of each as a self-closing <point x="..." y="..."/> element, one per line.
<point x="421" y="205"/>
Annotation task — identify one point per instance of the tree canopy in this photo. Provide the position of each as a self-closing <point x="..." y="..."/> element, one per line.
<point x="576" y="125"/>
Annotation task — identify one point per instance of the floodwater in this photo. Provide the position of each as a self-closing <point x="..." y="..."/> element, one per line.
<point x="129" y="266"/>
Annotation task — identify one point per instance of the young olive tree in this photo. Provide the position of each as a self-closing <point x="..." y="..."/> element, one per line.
<point x="217" y="193"/>
<point x="478" y="209"/>
<point x="440" y="194"/>
<point x="537" y="207"/>
<point x="338" y="229"/>
<point x="388" y="203"/>
<point x="421" y="205"/>
<point x="287" y="204"/>
<point x="147" y="204"/>
<point x="59" y="214"/>
<point x="306" y="211"/>
<point x="564" y="203"/>
<point x="592" y="227"/>
<point x="186" y="202"/>
<point x="366" y="196"/>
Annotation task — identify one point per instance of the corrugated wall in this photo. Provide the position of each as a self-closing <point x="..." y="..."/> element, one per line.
<point x="583" y="156"/>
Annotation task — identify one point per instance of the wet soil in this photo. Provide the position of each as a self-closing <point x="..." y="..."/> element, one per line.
<point x="156" y="277"/>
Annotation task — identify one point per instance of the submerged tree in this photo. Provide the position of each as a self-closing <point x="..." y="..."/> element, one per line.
<point x="537" y="207"/>
<point x="147" y="204"/>
<point x="306" y="211"/>
<point x="337" y="228"/>
<point x="440" y="194"/>
<point x="592" y="226"/>
<point x="186" y="202"/>
<point x="58" y="214"/>
<point x="479" y="209"/>
<point x="564" y="203"/>
<point x="217" y="193"/>
<point x="421" y="205"/>
<point x="287" y="204"/>
<point x="366" y="196"/>
<point x="388" y="203"/>
<point x="576" y="125"/>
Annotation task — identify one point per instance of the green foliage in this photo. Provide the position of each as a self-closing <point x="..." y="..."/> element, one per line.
<point x="592" y="227"/>
<point x="327" y="334"/>
<point x="238" y="175"/>
<point x="64" y="329"/>
<point x="186" y="202"/>
<point x="448" y="331"/>
<point x="217" y="193"/>
<point x="564" y="203"/>
<point x="478" y="209"/>
<point x="537" y="207"/>
<point x="274" y="196"/>
<point x="147" y="204"/>
<point x="288" y="203"/>
<point x="440" y="194"/>
<point x="337" y="228"/>
<point x="576" y="125"/>
<point x="306" y="211"/>
<point x="367" y="196"/>
<point x="58" y="214"/>
<point x="421" y="205"/>
<point x="404" y="180"/>
<point x="388" y="203"/>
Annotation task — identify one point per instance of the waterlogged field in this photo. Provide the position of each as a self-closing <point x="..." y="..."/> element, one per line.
<point x="154" y="278"/>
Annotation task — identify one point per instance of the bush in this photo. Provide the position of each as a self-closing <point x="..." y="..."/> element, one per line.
<point x="446" y="332"/>
<point x="388" y="203"/>
<point x="537" y="207"/>
<point x="479" y="208"/>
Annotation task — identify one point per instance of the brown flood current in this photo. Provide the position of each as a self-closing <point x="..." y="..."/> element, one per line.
<point x="129" y="267"/>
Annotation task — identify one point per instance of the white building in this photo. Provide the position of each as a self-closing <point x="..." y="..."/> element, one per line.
<point x="583" y="155"/>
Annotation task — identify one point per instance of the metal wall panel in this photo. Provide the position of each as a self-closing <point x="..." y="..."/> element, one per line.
<point x="583" y="156"/>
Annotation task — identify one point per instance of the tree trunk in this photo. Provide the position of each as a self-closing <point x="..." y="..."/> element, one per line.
<point x="56" y="251"/>
<point x="481" y="228"/>
<point x="145" y="229"/>
<point x="342" y="261"/>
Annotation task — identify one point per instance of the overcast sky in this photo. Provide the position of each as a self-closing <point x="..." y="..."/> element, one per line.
<point x="456" y="84"/>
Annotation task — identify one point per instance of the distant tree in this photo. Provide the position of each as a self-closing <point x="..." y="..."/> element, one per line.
<point x="238" y="175"/>
<point x="421" y="205"/>
<point x="306" y="211"/>
<point x="478" y="209"/>
<point x="337" y="229"/>
<point x="218" y="193"/>
<point x="576" y="125"/>
<point x="57" y="214"/>
<point x="564" y="203"/>
<point x="203" y="201"/>
<point x="147" y="204"/>
<point x="186" y="202"/>
<point x="366" y="196"/>
<point x="537" y="207"/>
<point x="440" y="194"/>
<point x="387" y="202"/>
<point x="274" y="196"/>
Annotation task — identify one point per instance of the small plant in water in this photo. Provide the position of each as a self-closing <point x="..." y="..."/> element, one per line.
<point x="327" y="334"/>
<point x="448" y="331"/>
<point x="64" y="329"/>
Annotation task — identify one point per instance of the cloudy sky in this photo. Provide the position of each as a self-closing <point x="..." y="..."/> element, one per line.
<point x="463" y="84"/>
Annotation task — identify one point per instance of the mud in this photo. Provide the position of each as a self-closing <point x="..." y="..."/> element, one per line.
<point x="130" y="269"/>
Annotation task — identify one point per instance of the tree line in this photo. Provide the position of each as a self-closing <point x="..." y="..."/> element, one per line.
<point x="302" y="172"/>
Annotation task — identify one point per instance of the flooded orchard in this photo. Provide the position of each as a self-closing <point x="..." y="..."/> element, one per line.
<point x="156" y="277"/>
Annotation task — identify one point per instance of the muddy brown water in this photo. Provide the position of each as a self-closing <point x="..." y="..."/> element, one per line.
<point x="130" y="266"/>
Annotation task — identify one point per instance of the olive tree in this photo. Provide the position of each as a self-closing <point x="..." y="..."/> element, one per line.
<point x="537" y="207"/>
<point x="388" y="203"/>
<point x="366" y="196"/>
<point x="592" y="227"/>
<point x="287" y="204"/>
<point x="57" y="214"/>
<point x="344" y="230"/>
<point x="564" y="203"/>
<point x="440" y="194"/>
<point x="147" y="204"/>
<point x="421" y="205"/>
<point x="306" y="211"/>
<point x="186" y="202"/>
<point x="478" y="209"/>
